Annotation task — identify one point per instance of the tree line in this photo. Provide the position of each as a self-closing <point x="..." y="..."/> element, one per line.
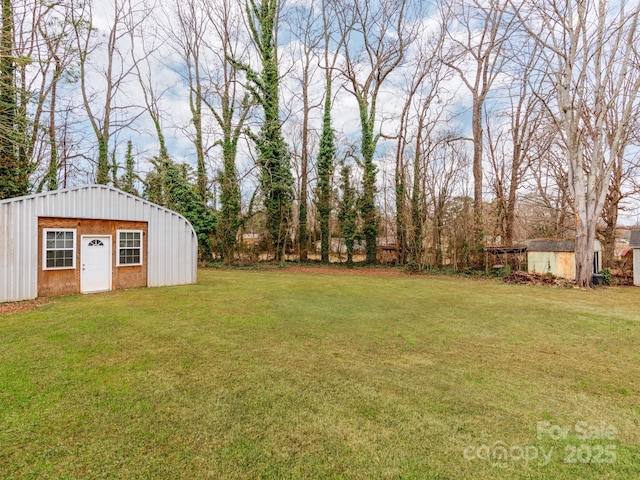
<point x="441" y="127"/>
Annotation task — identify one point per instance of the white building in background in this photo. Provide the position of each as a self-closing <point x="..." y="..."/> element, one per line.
<point x="89" y="239"/>
<point x="558" y="257"/>
<point x="634" y="242"/>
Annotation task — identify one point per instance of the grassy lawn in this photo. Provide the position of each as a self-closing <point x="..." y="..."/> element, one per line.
<point x="254" y="374"/>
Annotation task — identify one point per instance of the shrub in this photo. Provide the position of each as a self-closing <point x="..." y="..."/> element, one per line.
<point x="606" y="276"/>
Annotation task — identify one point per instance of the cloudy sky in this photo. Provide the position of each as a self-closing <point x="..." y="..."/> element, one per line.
<point x="158" y="33"/>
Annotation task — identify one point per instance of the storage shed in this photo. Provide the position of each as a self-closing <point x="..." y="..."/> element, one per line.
<point x="558" y="257"/>
<point x="90" y="239"/>
<point x="634" y="243"/>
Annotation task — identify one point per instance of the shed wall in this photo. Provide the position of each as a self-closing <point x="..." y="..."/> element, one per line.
<point x="172" y="243"/>
<point x="67" y="281"/>
<point x="560" y="264"/>
<point x="636" y="267"/>
<point x="566" y="265"/>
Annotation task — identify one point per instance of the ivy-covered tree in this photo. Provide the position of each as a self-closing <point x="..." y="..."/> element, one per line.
<point x="347" y="213"/>
<point x="325" y="167"/>
<point x="377" y="37"/>
<point x="276" y="180"/>
<point x="230" y="199"/>
<point x="168" y="185"/>
<point x="327" y="152"/>
<point x="229" y="104"/>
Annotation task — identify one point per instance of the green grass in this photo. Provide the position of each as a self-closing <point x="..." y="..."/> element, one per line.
<point x="284" y="376"/>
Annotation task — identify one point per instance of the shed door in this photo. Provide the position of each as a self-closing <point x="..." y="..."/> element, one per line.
<point x="95" y="260"/>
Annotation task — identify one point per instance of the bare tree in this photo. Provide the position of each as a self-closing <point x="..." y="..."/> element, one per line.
<point x="307" y="29"/>
<point x="144" y="46"/>
<point x="23" y="94"/>
<point x="444" y="178"/>
<point x="35" y="53"/>
<point x="590" y="48"/>
<point x="477" y="55"/>
<point x="103" y="73"/>
<point x="625" y="169"/>
<point x="545" y="209"/>
<point x="57" y="56"/>
<point x="519" y="137"/>
<point x="230" y="104"/>
<point x="189" y="25"/>
<point x="425" y="73"/>
<point x="377" y="36"/>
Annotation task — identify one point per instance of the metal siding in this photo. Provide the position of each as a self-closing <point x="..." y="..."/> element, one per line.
<point x="172" y="255"/>
<point x="193" y="256"/>
<point x="182" y="258"/>
<point x="177" y="258"/>
<point x="7" y="253"/>
<point x="176" y="264"/>
<point x="18" y="264"/>
<point x="155" y="266"/>
<point x="636" y="267"/>
<point x="30" y="252"/>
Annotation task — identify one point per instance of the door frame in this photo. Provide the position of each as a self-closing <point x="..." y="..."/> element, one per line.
<point x="109" y="242"/>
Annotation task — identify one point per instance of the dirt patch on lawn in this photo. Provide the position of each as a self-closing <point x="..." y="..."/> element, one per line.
<point x="13" y="307"/>
<point x="370" y="271"/>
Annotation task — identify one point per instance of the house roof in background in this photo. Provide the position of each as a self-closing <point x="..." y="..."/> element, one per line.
<point x="551" y="245"/>
<point x="634" y="240"/>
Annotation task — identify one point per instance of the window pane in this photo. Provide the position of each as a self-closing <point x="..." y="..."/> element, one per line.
<point x="129" y="256"/>
<point x="68" y="258"/>
<point x="59" y="249"/>
<point x="50" y="259"/>
<point x="130" y="248"/>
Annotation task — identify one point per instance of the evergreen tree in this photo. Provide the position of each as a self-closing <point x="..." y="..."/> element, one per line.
<point x="168" y="185"/>
<point x="114" y="170"/>
<point x="127" y="181"/>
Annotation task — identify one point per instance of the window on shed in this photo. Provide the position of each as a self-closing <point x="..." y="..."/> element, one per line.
<point x="59" y="249"/>
<point x="129" y="247"/>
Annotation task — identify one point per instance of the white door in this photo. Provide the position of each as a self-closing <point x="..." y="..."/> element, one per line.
<point x="95" y="260"/>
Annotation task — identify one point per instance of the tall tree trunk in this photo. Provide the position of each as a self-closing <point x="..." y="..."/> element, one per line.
<point x="195" y="103"/>
<point x="401" y="229"/>
<point x="369" y="170"/>
<point x="304" y="159"/>
<point x="52" y="172"/>
<point x="610" y="215"/>
<point x="326" y="153"/>
<point x="325" y="172"/>
<point x="276" y="180"/>
<point x="478" y="219"/>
